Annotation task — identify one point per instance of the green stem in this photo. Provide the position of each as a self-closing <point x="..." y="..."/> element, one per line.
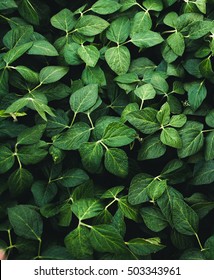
<point x="199" y="242"/>
<point x="17" y="156"/>
<point x="90" y="120"/>
<point x="36" y="87"/>
<point x="100" y="141"/>
<point x="137" y="4"/>
<point x="207" y="130"/>
<point x="10" y="239"/>
<point x="113" y="201"/>
<point x="40" y="246"/>
<point x="85" y="225"/>
<point x="74" y="117"/>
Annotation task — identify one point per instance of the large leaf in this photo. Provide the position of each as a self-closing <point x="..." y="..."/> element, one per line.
<point x="26" y="222"/>
<point x="119" y="30"/>
<point x="104" y="7"/>
<point x="31" y="135"/>
<point x="203" y="173"/>
<point x="64" y="20"/>
<point x="146" y="39"/>
<point x="90" y="25"/>
<point x="84" y="98"/>
<point x="50" y="74"/>
<point x="116" y="162"/>
<point x="105" y="238"/>
<point x="118" y="59"/>
<point x="141" y="246"/>
<point x="73" y="137"/>
<point x="89" y="54"/>
<point x="16" y="52"/>
<point x="43" y="47"/>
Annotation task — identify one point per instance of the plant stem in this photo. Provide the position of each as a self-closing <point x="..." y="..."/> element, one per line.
<point x="199" y="242"/>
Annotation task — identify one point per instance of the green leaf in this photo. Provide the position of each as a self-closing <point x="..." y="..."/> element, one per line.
<point x="170" y="137"/>
<point x="119" y="30"/>
<point x="151" y="148"/>
<point x="144" y="120"/>
<point x="7" y="4"/>
<point x="197" y="92"/>
<point x="43" y="193"/>
<point x="89" y="54"/>
<point x="105" y="238"/>
<point x="91" y="155"/>
<point x="73" y="177"/>
<point x="210" y="118"/>
<point x="209" y="146"/>
<point x="206" y="68"/>
<point x="32" y="154"/>
<point x="163" y="115"/>
<point x="176" y="43"/>
<point x="42" y="47"/>
<point x="199" y="29"/>
<point x="153" y="218"/>
<point x="86" y="208"/>
<point x="19" y="181"/>
<point x="16" y="52"/>
<point x="78" y="245"/>
<point x="105" y="7"/>
<point x="156" y="5"/>
<point x="126" y="4"/>
<point x="64" y="20"/>
<point x="94" y="75"/>
<point x="209" y="248"/>
<point x="31" y="135"/>
<point x="178" y="120"/>
<point x="91" y="25"/>
<point x="192" y="139"/>
<point x="145" y="92"/>
<point x="184" y="218"/>
<point x="128" y="210"/>
<point x="146" y="39"/>
<point x="6" y="159"/>
<point x="112" y="192"/>
<point x="51" y="74"/>
<point x="118" y="59"/>
<point x="18" y="36"/>
<point x="141" y="22"/>
<point x="73" y="137"/>
<point x="118" y="134"/>
<point x="84" y="98"/>
<point x="156" y="189"/>
<point x="116" y="162"/>
<point x="71" y="54"/>
<point x="203" y="173"/>
<point x="28" y="11"/>
<point x="26" y="222"/>
<point x="142" y="246"/>
<point x="28" y="74"/>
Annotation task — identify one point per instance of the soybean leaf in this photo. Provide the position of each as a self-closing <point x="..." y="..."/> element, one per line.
<point x="73" y="177"/>
<point x="89" y="54"/>
<point x="176" y="43"/>
<point x="31" y="135"/>
<point x="43" y="193"/>
<point x="105" y="7"/>
<point x="16" y="52"/>
<point x="105" y="238"/>
<point x="42" y="47"/>
<point x="116" y="162"/>
<point x="6" y="159"/>
<point x="77" y="243"/>
<point x="50" y="74"/>
<point x="64" y="20"/>
<point x="145" y="92"/>
<point x="84" y="98"/>
<point x="203" y="173"/>
<point x="7" y="4"/>
<point x="153" y="218"/>
<point x="26" y="222"/>
<point x="28" y="10"/>
<point x="118" y="134"/>
<point x="141" y="22"/>
<point x="119" y="30"/>
<point x="209" y="146"/>
<point x="197" y="92"/>
<point x="28" y="74"/>
<point x="112" y="192"/>
<point x="86" y="208"/>
<point x="151" y="148"/>
<point x="118" y="59"/>
<point x="73" y="137"/>
<point x="91" y="25"/>
<point x="141" y="246"/>
<point x="146" y="39"/>
<point x="170" y="137"/>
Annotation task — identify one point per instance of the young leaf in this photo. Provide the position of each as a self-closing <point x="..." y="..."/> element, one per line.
<point x="91" y="25"/>
<point x="73" y="137"/>
<point x="116" y="162"/>
<point x="129" y="211"/>
<point x="84" y="98"/>
<point x="43" y="193"/>
<point x="51" y="74"/>
<point x="163" y="115"/>
<point x="118" y="59"/>
<point x="105" y="238"/>
<point x="105" y="7"/>
<point x="64" y="20"/>
<point x="145" y="92"/>
<point x="26" y="222"/>
<point x="178" y="120"/>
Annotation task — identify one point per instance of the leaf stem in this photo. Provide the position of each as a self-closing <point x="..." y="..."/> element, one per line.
<point x="207" y="130"/>
<point x="85" y="225"/>
<point x="199" y="242"/>
<point x="137" y="4"/>
<point x="40" y="246"/>
<point x="100" y="141"/>
<point x="36" y="87"/>
<point x="90" y="120"/>
<point x="74" y="117"/>
<point x="113" y="201"/>
<point x="17" y="156"/>
<point x="9" y="237"/>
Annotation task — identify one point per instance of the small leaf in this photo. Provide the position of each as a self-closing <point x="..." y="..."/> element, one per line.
<point x="112" y="192"/>
<point x="28" y="11"/>
<point x="145" y="92"/>
<point x="141" y="22"/>
<point x="118" y="59"/>
<point x="51" y="74"/>
<point x="26" y="222"/>
<point x="163" y="115"/>
<point x="116" y="162"/>
<point x="178" y="120"/>
<point x="43" y="193"/>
